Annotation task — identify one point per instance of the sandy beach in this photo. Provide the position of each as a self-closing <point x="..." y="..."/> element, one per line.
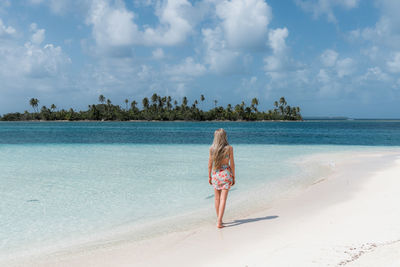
<point x="349" y="218"/>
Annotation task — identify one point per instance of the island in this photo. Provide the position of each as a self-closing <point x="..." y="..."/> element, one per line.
<point x="158" y="108"/>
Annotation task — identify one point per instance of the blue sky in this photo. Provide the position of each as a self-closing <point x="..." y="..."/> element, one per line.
<point x="330" y="57"/>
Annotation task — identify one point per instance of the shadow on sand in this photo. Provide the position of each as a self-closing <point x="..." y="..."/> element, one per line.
<point x="242" y="221"/>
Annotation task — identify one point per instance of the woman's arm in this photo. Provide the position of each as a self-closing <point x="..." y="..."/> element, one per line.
<point x="232" y="164"/>
<point x="210" y="163"/>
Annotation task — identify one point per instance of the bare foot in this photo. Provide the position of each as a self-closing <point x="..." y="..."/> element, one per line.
<point x="220" y="225"/>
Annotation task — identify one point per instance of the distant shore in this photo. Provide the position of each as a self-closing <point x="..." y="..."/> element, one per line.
<point x="154" y="121"/>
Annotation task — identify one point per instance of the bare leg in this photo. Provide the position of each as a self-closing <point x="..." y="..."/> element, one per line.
<point x="217" y="197"/>
<point x="222" y="202"/>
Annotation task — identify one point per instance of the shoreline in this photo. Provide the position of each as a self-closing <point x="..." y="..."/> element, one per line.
<point x="267" y="236"/>
<point x="156" y="121"/>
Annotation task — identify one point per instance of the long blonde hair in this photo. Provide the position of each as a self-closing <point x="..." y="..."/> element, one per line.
<point x="219" y="147"/>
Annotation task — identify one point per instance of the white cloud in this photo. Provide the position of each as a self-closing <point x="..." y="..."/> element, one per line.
<point x="385" y="32"/>
<point x="244" y="22"/>
<point x="394" y="65"/>
<point x="345" y="67"/>
<point x="248" y="87"/>
<point x="325" y="7"/>
<point x="43" y="62"/>
<point x="375" y="74"/>
<point x="61" y="7"/>
<point x="329" y="57"/>
<point x="144" y="73"/>
<point x="6" y="30"/>
<point x="241" y="26"/>
<point x="188" y="68"/>
<point x="145" y="3"/>
<point x="279" y="63"/>
<point x="31" y="60"/>
<point x="277" y="40"/>
<point x="218" y="56"/>
<point x="158" y="53"/>
<point x="174" y="24"/>
<point x="38" y="34"/>
<point x="114" y="26"/>
<point x="323" y="76"/>
<point x="326" y="84"/>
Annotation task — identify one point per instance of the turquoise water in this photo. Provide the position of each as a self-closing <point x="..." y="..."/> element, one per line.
<point x="60" y="181"/>
<point x="357" y="132"/>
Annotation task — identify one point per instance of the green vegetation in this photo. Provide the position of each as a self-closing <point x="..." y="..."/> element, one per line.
<point x="158" y="108"/>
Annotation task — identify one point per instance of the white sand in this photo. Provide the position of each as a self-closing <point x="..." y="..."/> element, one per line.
<point x="351" y="218"/>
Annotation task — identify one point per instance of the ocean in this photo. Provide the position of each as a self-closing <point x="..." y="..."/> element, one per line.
<point x="62" y="183"/>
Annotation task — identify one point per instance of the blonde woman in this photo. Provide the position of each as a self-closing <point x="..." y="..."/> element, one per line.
<point x="222" y="167"/>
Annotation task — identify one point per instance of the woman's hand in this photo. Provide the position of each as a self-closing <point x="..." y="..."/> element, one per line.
<point x="209" y="180"/>
<point x="233" y="181"/>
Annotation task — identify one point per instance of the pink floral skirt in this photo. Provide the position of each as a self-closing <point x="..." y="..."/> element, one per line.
<point x="222" y="178"/>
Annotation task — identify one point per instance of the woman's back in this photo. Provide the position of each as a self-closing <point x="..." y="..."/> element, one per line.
<point x="222" y="167"/>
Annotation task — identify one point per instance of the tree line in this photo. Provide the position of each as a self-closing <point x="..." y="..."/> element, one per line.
<point x="160" y="108"/>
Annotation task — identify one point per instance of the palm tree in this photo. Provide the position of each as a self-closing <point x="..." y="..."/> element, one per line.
<point x="133" y="105"/>
<point x="282" y="101"/>
<point x="53" y="107"/>
<point x="184" y="102"/>
<point x="215" y="103"/>
<point x="145" y="103"/>
<point x="126" y="103"/>
<point x="154" y="98"/>
<point x="281" y="109"/>
<point x="163" y="101"/>
<point x="254" y="104"/>
<point x="102" y="99"/>
<point x="169" y="102"/>
<point x="34" y="102"/>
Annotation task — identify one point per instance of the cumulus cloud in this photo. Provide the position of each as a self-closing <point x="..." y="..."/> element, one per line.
<point x="38" y="34"/>
<point x="279" y="62"/>
<point x="244" y="22"/>
<point x="325" y="7"/>
<point x="385" y="32"/>
<point x="240" y="26"/>
<point x="375" y="74"/>
<point x="114" y="25"/>
<point x="323" y="76"/>
<point x="31" y="60"/>
<point x="186" y="69"/>
<point x="248" y="87"/>
<point x="6" y="30"/>
<point x="394" y="64"/>
<point x="277" y="40"/>
<point x="218" y="56"/>
<point x="158" y="53"/>
<point x="61" y="7"/>
<point x="43" y="62"/>
<point x="329" y="57"/>
<point x="345" y="67"/>
<point x="174" y="24"/>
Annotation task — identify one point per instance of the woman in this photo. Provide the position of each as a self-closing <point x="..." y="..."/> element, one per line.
<point x="222" y="165"/>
